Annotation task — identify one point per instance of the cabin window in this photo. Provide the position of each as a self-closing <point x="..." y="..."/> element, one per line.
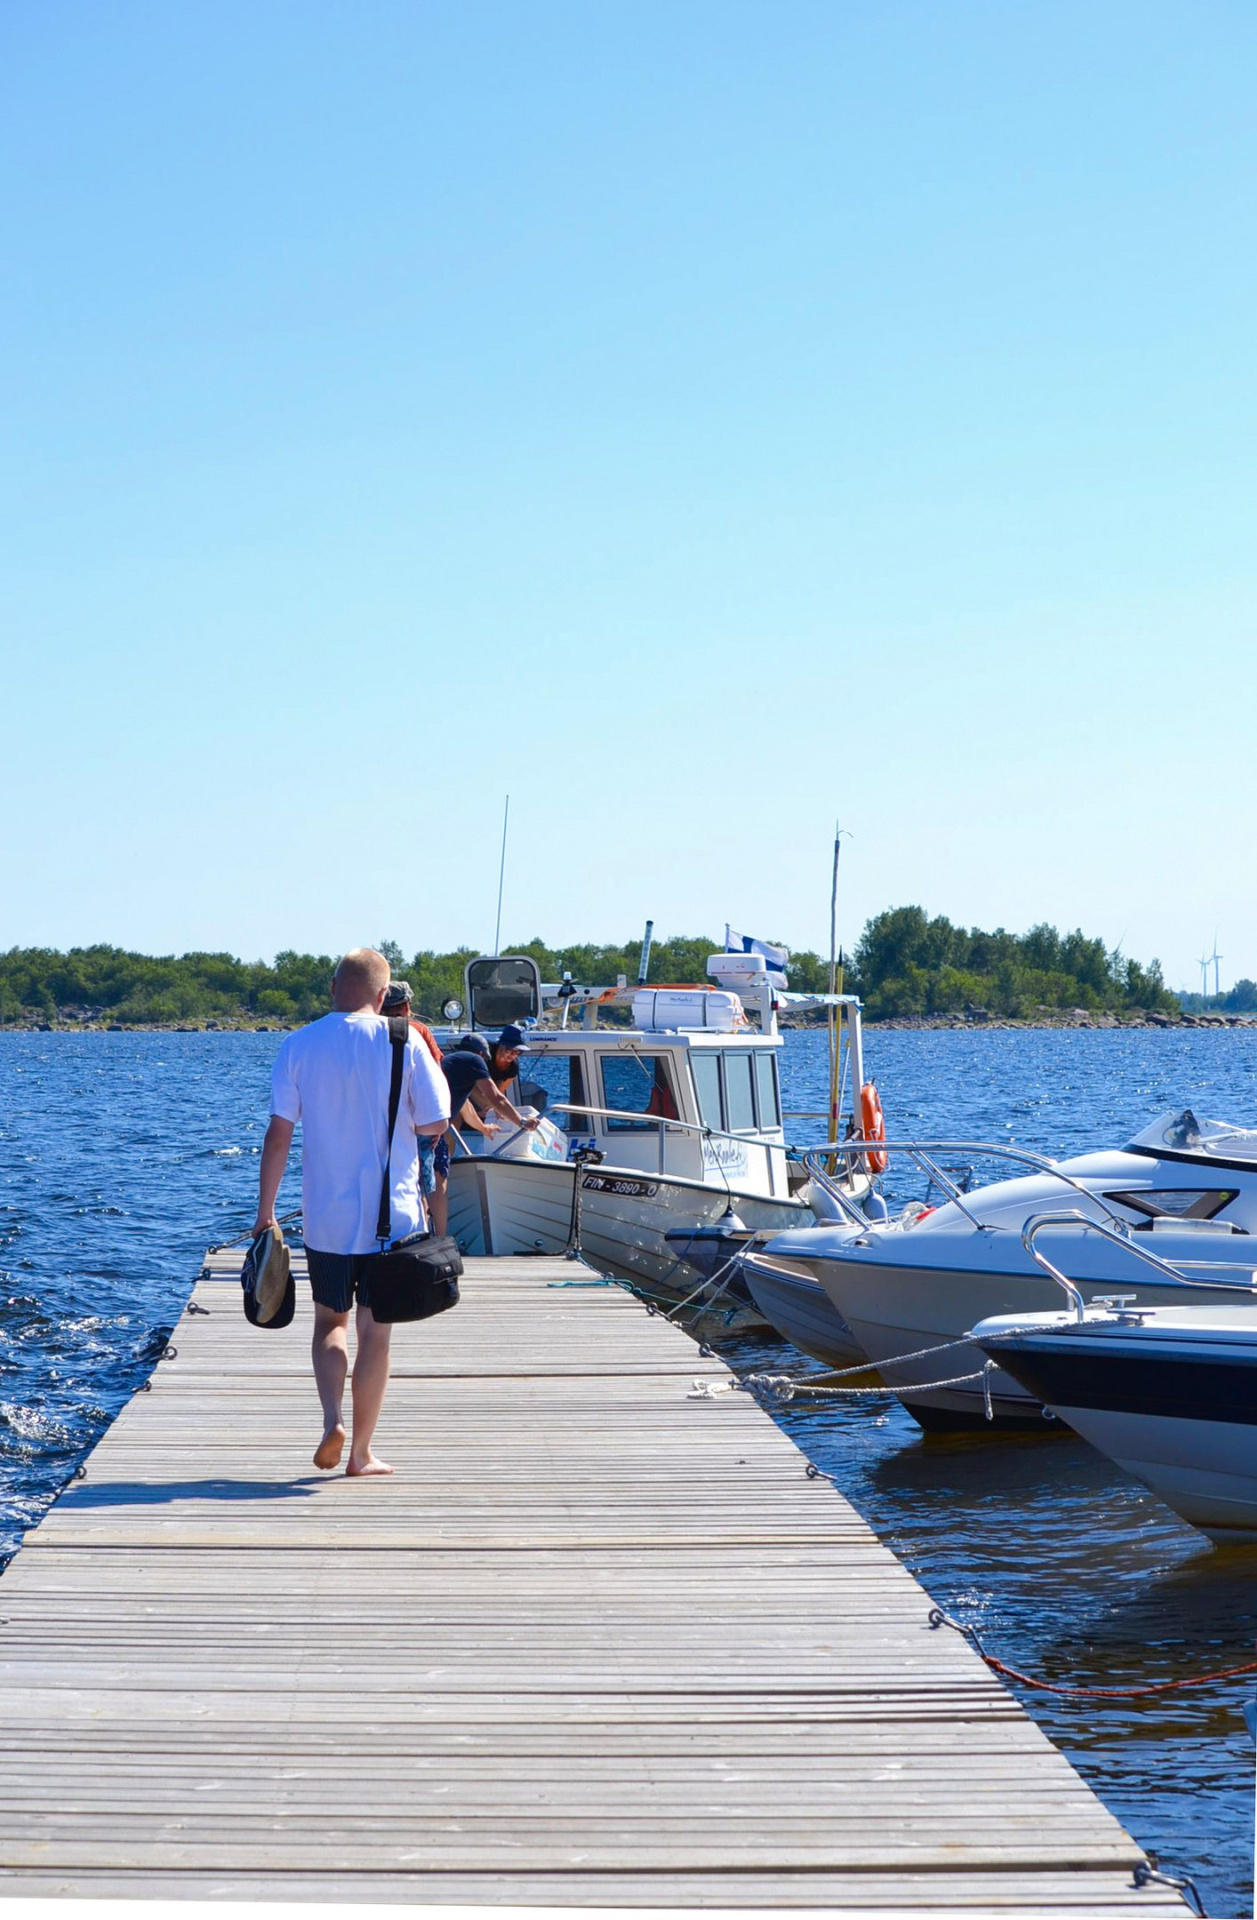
<point x="637" y="1083"/>
<point x="546" y="1077"/>
<point x="1176" y="1203"/>
<point x="766" y="1089"/>
<point x="707" y="1082"/>
<point x="739" y="1100"/>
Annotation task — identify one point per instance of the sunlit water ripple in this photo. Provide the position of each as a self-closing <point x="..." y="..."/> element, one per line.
<point x="123" y="1155"/>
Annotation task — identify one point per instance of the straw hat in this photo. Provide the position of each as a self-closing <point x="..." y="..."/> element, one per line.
<point x="267" y="1279"/>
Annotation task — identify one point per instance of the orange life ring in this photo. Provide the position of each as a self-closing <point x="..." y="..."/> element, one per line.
<point x="873" y="1126"/>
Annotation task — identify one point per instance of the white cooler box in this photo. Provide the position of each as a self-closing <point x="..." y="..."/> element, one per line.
<point x="676" y="1009"/>
<point x="548" y="1142"/>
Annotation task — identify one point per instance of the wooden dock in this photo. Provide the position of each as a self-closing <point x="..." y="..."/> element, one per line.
<point x="595" y="1644"/>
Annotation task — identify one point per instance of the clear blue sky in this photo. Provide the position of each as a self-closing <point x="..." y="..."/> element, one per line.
<point x="698" y="419"/>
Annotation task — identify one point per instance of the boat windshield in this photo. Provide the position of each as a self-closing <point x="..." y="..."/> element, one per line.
<point x="545" y="1075"/>
<point x="1184" y="1133"/>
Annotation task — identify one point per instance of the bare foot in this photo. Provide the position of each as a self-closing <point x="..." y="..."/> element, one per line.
<point x="369" y="1466"/>
<point x="331" y="1446"/>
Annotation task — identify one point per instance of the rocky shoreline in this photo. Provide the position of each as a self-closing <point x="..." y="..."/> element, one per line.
<point x="1081" y="1021"/>
<point x="1077" y="1019"/>
<point x="1072" y="1019"/>
<point x="139" y="1026"/>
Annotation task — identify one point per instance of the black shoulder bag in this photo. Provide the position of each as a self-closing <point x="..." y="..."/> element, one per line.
<point x="419" y="1277"/>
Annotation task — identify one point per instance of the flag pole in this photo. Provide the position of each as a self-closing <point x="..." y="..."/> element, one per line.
<point x="833" y="977"/>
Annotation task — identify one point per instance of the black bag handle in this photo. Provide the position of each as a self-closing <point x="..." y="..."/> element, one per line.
<point x="398" y="1034"/>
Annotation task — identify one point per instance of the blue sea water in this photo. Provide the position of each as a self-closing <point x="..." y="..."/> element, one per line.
<point x="123" y="1155"/>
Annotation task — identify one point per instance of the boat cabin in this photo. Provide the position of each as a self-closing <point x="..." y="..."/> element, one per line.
<point x="690" y="1090"/>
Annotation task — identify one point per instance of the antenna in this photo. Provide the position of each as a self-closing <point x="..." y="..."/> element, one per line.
<point x="497" y="931"/>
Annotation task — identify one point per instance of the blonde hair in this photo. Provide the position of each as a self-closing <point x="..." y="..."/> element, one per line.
<point x="360" y="978"/>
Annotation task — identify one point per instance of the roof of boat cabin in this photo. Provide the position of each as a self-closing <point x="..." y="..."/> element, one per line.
<point x="561" y="1038"/>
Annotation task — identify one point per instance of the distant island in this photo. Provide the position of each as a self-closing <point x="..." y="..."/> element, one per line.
<point x="906" y="967"/>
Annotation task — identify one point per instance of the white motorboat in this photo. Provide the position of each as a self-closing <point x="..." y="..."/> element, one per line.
<point x="1183" y="1187"/>
<point x="1170" y="1394"/>
<point x="794" y="1302"/>
<point x="651" y="1131"/>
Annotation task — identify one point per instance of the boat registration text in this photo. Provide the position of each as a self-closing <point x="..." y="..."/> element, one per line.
<point x="617" y="1183"/>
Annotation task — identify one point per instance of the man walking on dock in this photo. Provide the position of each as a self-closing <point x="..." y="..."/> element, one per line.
<point x="333" y="1076"/>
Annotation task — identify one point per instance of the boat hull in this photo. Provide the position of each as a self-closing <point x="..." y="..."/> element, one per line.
<point x="1186" y="1425"/>
<point x="898" y="1310"/>
<point x="520" y="1207"/>
<point x="798" y="1307"/>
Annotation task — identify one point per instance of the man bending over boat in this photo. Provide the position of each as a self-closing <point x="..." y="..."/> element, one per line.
<point x="334" y="1076"/>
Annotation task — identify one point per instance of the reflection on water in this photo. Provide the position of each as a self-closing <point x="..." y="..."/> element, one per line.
<point x="123" y="1155"/>
<point x="1072" y="1572"/>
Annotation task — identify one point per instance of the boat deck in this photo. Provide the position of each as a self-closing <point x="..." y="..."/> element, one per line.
<point x="595" y="1644"/>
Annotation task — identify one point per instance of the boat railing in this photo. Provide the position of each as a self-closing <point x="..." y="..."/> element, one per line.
<point x="921" y="1153"/>
<point x="1073" y="1217"/>
<point x="665" y="1124"/>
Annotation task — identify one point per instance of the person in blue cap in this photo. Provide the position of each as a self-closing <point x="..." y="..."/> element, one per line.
<point x="504" y="1061"/>
<point x="467" y="1069"/>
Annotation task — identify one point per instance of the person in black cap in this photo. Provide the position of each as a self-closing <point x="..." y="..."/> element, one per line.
<point x="467" y="1117"/>
<point x="467" y="1070"/>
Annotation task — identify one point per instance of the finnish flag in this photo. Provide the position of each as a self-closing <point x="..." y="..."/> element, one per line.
<point x="775" y="958"/>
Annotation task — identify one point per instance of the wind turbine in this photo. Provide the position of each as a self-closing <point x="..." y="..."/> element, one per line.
<point x="1203" y="964"/>
<point x="1214" y="958"/>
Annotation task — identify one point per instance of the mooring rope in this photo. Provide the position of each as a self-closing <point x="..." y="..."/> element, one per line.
<point x="937" y="1618"/>
<point x="654" y="1302"/>
<point x="783" y="1387"/>
<point x="900" y="1359"/>
<point x="728" y="1268"/>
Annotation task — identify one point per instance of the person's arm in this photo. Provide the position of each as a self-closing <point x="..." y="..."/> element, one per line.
<point x="427" y="1093"/>
<point x="274" y="1159"/>
<point x="470" y="1119"/>
<point x="285" y="1113"/>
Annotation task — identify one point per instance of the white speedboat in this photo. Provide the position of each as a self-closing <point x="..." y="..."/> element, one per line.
<point x="1170" y="1394"/>
<point x="1184" y="1188"/>
<point x="660" y="1128"/>
<point x="794" y="1302"/>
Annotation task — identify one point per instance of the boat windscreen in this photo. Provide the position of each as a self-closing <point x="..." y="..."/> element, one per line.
<point x="545" y="1076"/>
<point x="504" y="989"/>
<point x="1184" y="1133"/>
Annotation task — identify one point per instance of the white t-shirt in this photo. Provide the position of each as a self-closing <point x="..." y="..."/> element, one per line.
<point x="333" y="1076"/>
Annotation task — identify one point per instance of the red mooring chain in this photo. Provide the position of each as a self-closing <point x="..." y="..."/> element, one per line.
<point x="940" y="1619"/>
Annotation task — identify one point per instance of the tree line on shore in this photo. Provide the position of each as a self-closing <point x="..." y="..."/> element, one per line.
<point x="1241" y="998"/>
<point x="904" y="964"/>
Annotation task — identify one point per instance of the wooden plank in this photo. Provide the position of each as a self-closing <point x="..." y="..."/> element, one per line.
<point x="595" y="1643"/>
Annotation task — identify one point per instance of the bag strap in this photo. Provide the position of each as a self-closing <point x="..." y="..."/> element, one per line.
<point x="398" y="1034"/>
